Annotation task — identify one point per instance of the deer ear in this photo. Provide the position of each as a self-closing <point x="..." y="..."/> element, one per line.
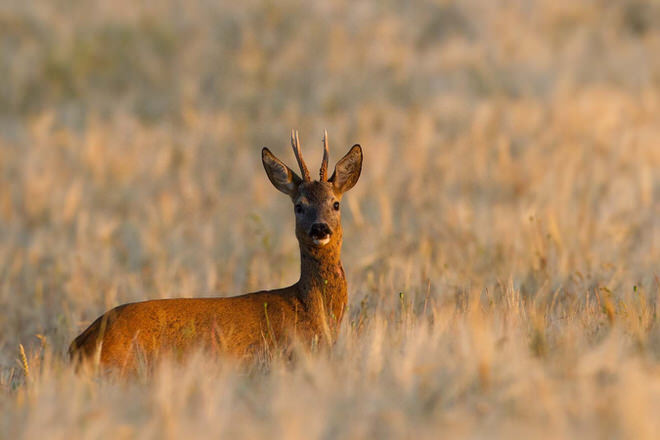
<point x="279" y="174"/>
<point x="347" y="171"/>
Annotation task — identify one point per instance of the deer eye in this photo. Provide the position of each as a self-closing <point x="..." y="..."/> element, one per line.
<point x="336" y="206"/>
<point x="298" y="208"/>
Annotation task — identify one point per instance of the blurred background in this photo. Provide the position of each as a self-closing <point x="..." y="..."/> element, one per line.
<point x="510" y="146"/>
<point x="503" y="140"/>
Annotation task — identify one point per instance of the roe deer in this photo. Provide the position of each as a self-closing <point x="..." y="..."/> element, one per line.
<point x="247" y="325"/>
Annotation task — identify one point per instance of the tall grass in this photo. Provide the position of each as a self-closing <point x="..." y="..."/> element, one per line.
<point x="502" y="246"/>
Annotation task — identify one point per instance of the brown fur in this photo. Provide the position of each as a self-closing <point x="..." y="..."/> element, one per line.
<point x="243" y="326"/>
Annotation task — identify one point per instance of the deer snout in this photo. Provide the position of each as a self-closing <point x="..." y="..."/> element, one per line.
<point x="320" y="233"/>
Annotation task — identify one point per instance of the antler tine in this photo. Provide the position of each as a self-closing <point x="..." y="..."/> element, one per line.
<point x="326" y="155"/>
<point x="295" y="144"/>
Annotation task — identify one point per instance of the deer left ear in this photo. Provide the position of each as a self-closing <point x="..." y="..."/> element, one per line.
<point x="279" y="174"/>
<point x="347" y="171"/>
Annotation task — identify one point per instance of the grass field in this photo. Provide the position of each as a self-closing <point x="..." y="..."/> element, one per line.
<point x="502" y="247"/>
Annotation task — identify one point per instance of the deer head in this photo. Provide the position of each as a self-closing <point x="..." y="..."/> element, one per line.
<point x="316" y="203"/>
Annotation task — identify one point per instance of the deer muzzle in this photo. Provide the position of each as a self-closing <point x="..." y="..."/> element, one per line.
<point x="320" y="234"/>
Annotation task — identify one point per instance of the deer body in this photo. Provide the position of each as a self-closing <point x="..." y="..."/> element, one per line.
<point x="245" y="326"/>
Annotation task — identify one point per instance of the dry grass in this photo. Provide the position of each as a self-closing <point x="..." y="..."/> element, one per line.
<point x="502" y="247"/>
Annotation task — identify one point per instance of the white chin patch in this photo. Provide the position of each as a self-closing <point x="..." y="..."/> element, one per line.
<point x="322" y="241"/>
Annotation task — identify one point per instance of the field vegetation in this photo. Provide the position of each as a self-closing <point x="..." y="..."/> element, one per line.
<point x="502" y="246"/>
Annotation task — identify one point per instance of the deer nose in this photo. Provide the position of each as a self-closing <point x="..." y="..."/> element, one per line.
<point x="319" y="230"/>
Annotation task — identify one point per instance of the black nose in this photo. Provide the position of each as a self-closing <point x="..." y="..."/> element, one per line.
<point x="319" y="230"/>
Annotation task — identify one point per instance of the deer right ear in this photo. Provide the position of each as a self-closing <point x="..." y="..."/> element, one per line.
<point x="347" y="171"/>
<point x="279" y="174"/>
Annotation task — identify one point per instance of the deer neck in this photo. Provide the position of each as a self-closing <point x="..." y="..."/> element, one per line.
<point x="322" y="277"/>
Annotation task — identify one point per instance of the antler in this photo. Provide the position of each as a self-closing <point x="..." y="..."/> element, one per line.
<point x="295" y="144"/>
<point x="326" y="154"/>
